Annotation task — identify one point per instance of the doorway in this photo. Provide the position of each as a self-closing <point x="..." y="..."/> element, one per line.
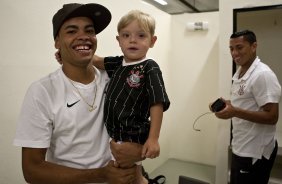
<point x="266" y="22"/>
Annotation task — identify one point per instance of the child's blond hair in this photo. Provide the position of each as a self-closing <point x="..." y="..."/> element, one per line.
<point x="145" y="21"/>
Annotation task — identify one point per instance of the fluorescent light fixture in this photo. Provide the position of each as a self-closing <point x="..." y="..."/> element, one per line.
<point x="162" y="2"/>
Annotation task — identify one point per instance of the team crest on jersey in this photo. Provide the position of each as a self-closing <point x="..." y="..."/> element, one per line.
<point x="241" y="90"/>
<point x="135" y="75"/>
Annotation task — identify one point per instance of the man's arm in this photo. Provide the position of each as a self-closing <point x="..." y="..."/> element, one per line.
<point x="268" y="115"/>
<point x="127" y="153"/>
<point x="98" y="62"/>
<point x="37" y="170"/>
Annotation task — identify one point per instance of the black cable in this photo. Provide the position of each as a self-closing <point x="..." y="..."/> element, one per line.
<point x="199" y="118"/>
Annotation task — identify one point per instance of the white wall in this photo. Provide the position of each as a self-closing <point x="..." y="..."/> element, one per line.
<point x="193" y="75"/>
<point x="225" y="74"/>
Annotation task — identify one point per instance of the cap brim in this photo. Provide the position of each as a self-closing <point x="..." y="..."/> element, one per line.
<point x="100" y="15"/>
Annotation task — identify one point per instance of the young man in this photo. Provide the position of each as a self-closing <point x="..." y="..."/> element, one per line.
<point x="60" y="128"/>
<point x="254" y="109"/>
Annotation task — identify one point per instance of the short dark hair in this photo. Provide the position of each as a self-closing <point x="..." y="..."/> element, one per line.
<point x="247" y="34"/>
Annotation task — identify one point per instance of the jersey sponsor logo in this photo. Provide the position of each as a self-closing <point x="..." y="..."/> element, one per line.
<point x="72" y="104"/>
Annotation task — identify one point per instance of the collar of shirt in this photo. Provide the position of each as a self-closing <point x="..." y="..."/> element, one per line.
<point x="248" y="73"/>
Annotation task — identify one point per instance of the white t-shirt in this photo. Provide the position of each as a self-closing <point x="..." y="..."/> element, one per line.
<point x="54" y="116"/>
<point x="256" y="88"/>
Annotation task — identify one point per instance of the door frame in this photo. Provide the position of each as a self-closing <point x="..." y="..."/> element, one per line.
<point x="241" y="10"/>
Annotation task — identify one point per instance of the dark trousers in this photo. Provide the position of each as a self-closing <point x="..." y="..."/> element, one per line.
<point x="243" y="172"/>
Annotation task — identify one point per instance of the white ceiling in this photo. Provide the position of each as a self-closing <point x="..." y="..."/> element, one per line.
<point x="187" y="6"/>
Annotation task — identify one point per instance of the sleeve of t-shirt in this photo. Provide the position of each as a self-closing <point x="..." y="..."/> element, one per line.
<point x="34" y="128"/>
<point x="155" y="85"/>
<point x="266" y="88"/>
<point x="111" y="63"/>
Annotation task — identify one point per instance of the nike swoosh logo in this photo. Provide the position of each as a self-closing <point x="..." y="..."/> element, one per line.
<point x="70" y="105"/>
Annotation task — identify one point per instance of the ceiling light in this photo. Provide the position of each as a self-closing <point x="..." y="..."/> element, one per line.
<point x="162" y="2"/>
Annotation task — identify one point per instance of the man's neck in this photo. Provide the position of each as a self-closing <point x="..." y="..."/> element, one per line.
<point x="244" y="68"/>
<point x="81" y="75"/>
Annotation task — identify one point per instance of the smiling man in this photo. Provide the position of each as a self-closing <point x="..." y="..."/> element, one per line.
<point x="254" y="109"/>
<point x="60" y="127"/>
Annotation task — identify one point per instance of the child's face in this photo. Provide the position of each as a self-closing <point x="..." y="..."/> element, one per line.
<point x="135" y="42"/>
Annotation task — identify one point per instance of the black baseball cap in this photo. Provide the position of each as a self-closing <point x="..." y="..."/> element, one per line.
<point x="99" y="14"/>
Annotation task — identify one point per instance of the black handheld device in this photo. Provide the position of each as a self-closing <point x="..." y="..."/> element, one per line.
<point x="218" y="105"/>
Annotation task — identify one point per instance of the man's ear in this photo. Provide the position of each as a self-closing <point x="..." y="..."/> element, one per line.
<point x="57" y="43"/>
<point x="254" y="46"/>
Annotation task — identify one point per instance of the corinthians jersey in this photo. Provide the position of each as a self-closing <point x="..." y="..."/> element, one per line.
<point x="133" y="89"/>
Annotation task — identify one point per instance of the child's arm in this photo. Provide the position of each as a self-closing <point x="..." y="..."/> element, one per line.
<point x="151" y="148"/>
<point x="98" y="62"/>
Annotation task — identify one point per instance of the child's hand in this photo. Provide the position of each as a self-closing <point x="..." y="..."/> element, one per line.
<point x="151" y="149"/>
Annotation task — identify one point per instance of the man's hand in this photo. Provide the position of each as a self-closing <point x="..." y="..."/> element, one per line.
<point x="227" y="112"/>
<point x="117" y="175"/>
<point x="127" y="153"/>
